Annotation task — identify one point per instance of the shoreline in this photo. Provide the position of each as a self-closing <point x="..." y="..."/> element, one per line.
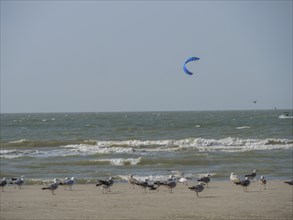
<point x="222" y="200"/>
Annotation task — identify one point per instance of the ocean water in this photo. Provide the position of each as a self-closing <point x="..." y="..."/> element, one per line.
<point x="148" y="144"/>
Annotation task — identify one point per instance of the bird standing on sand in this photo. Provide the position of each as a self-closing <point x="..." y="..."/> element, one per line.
<point x="263" y="182"/>
<point x="52" y="186"/>
<point x="170" y="183"/>
<point x="3" y="183"/>
<point x="206" y="179"/>
<point x="252" y="175"/>
<point x="244" y="183"/>
<point x="143" y="184"/>
<point x="18" y="182"/>
<point x="105" y="184"/>
<point x="183" y="180"/>
<point x="198" y="188"/>
<point x="132" y="180"/>
<point x="180" y="177"/>
<point x="234" y="178"/>
<point x="68" y="182"/>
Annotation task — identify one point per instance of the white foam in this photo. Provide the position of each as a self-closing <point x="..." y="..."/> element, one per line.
<point x="285" y="117"/>
<point x="121" y="161"/>
<point x="94" y="149"/>
<point x="18" y="141"/>
<point x="243" y="127"/>
<point x="138" y="147"/>
<point x="233" y="144"/>
<point x="200" y="144"/>
<point x="13" y="153"/>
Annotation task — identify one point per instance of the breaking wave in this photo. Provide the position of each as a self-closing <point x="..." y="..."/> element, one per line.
<point x="197" y="144"/>
<point x="137" y="147"/>
<point x="120" y="161"/>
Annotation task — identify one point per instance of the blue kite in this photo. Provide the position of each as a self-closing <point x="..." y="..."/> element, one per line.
<point x="187" y="61"/>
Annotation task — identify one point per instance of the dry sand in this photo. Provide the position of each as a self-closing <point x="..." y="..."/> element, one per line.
<point x="221" y="200"/>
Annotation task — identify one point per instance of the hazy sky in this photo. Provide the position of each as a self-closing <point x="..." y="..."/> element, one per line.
<point x="74" y="56"/>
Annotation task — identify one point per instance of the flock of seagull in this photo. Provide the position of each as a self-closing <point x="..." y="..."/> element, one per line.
<point x="170" y="183"/>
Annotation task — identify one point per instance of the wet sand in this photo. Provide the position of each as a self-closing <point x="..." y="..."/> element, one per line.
<point x="221" y="200"/>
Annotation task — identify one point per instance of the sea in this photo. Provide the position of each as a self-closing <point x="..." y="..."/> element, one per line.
<point x="91" y="146"/>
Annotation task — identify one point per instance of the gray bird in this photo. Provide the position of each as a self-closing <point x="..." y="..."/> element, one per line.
<point x="105" y="184"/>
<point x="198" y="188"/>
<point x="53" y="186"/>
<point x="206" y="179"/>
<point x="68" y="182"/>
<point x="143" y="184"/>
<point x="244" y="183"/>
<point x="3" y="183"/>
<point x="252" y="175"/>
<point x="18" y="182"/>
<point x="170" y="183"/>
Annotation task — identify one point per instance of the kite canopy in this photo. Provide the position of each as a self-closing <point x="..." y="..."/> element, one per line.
<point x="187" y="61"/>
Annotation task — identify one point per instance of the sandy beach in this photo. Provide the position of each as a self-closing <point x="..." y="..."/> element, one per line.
<point x="221" y="200"/>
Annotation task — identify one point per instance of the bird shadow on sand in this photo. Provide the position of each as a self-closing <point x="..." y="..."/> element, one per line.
<point x="208" y="197"/>
<point x="111" y="193"/>
<point x="253" y="191"/>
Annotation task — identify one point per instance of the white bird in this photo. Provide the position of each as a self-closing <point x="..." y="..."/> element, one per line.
<point x="183" y="180"/>
<point x="180" y="177"/>
<point x="263" y="182"/>
<point x="234" y="178"/>
<point x="53" y="186"/>
<point x="132" y="180"/>
<point x="68" y="182"/>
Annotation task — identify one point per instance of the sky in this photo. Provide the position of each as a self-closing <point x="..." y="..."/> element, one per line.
<point x="109" y="56"/>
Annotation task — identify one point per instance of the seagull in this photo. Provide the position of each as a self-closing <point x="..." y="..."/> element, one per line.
<point x="68" y="182"/>
<point x="234" y="178"/>
<point x="3" y="183"/>
<point x="180" y="176"/>
<point x="206" y="179"/>
<point x="198" y="188"/>
<point x="18" y="182"/>
<point x="289" y="182"/>
<point x="183" y="180"/>
<point x="143" y="184"/>
<point x="132" y="180"/>
<point x="170" y="183"/>
<point x="245" y="183"/>
<point x="105" y="184"/>
<point x="263" y="182"/>
<point x="177" y="173"/>
<point x="252" y="175"/>
<point x="53" y="186"/>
